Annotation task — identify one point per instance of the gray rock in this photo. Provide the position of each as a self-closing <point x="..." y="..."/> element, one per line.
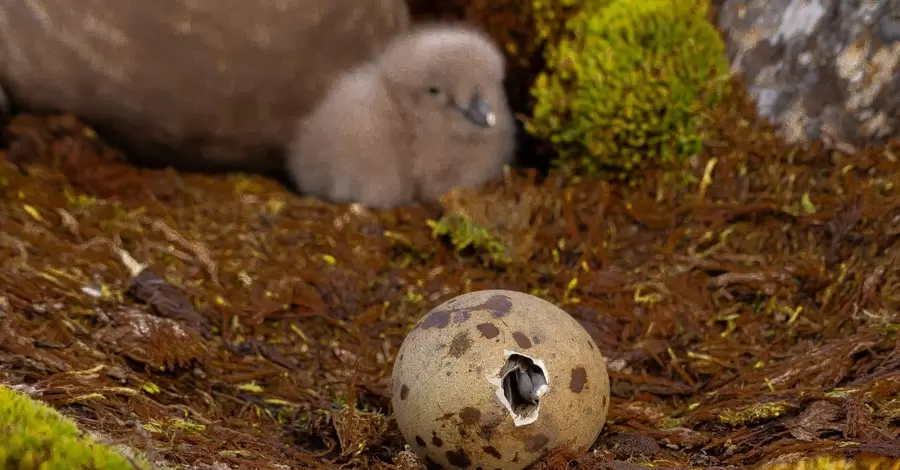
<point x="428" y="115"/>
<point x="199" y="84"/>
<point x="819" y="69"/>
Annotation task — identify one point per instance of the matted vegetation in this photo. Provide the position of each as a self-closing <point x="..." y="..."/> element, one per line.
<point x="746" y="301"/>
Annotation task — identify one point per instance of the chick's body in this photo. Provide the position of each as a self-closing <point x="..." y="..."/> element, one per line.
<point x="427" y="115"/>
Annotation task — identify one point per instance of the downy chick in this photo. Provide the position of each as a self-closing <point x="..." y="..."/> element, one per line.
<point x="428" y="115"/>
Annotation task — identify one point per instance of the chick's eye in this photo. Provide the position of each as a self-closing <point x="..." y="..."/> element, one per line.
<point x="433" y="90"/>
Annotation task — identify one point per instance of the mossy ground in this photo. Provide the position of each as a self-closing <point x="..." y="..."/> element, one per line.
<point x="748" y="309"/>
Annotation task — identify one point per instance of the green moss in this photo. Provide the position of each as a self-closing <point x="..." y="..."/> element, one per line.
<point x="753" y="413"/>
<point x="35" y="436"/>
<point x="830" y="462"/>
<point x="464" y="234"/>
<point x="626" y="82"/>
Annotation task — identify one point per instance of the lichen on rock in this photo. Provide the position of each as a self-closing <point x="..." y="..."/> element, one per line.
<point x="819" y="69"/>
<point x="625" y="82"/>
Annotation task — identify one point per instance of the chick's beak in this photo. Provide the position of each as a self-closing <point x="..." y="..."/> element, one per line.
<point x="479" y="111"/>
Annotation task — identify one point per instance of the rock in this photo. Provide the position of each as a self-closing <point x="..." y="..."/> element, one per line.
<point x="198" y="84"/>
<point x="819" y="69"/>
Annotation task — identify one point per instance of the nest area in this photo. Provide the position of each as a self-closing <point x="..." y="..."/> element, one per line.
<point x="747" y="305"/>
<point x="748" y="309"/>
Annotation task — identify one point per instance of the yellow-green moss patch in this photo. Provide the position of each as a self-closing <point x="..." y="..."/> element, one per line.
<point x="35" y="436"/>
<point x="626" y="82"/>
<point x="465" y="233"/>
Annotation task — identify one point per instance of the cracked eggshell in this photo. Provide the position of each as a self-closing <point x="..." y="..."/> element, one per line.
<point x="444" y="391"/>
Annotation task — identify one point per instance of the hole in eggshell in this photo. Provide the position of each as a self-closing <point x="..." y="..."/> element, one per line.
<point x="521" y="383"/>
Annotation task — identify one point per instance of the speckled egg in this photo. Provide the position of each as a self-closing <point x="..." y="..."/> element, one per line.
<point x="495" y="379"/>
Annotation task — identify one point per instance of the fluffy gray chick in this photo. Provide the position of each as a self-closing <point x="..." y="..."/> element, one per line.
<point x="428" y="115"/>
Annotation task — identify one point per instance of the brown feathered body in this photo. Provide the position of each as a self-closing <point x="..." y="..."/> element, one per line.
<point x="198" y="84"/>
<point x="400" y="128"/>
<point x="4" y="105"/>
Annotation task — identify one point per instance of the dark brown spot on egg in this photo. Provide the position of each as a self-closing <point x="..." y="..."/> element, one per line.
<point x="579" y="378"/>
<point x="591" y="344"/>
<point x="488" y="330"/>
<point x="458" y="458"/>
<point x="438" y="319"/>
<point x="492" y="451"/>
<point x="421" y="441"/>
<point x="462" y="316"/>
<point x="432" y="465"/>
<point x="437" y="441"/>
<point x="499" y="305"/>
<point x="404" y="392"/>
<point x="460" y="344"/>
<point x="536" y="443"/>
<point x="469" y="415"/>
<point x="488" y="425"/>
<point x="521" y="340"/>
<point x="536" y="339"/>
<point x="446" y="416"/>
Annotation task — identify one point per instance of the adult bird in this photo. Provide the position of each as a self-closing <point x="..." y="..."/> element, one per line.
<point x="195" y="84"/>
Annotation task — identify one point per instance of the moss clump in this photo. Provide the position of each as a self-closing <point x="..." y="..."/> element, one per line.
<point x="35" y="436"/>
<point x="464" y="233"/>
<point x="831" y="462"/>
<point x="626" y="82"/>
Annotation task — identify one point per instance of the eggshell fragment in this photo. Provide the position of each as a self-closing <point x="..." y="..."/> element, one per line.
<point x="468" y="372"/>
